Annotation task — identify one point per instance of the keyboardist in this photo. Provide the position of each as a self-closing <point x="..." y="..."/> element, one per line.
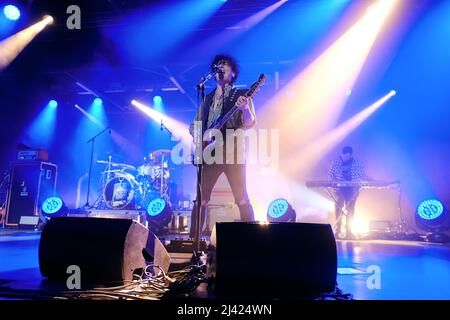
<point x="346" y="168"/>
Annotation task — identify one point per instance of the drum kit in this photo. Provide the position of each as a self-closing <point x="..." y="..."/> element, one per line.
<point x="127" y="187"/>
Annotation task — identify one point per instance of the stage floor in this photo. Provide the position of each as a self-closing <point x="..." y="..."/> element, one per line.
<point x="408" y="270"/>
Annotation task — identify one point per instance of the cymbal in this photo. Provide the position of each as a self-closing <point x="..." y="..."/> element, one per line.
<point x="103" y="161"/>
<point x="162" y="152"/>
<point x="126" y="166"/>
<point x="113" y="164"/>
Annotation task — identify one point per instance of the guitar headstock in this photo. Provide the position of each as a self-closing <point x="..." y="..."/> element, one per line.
<point x="256" y="86"/>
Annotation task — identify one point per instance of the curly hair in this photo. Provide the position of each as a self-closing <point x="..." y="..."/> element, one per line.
<point x="229" y="60"/>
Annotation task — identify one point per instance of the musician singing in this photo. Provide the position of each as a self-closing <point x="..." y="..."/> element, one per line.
<point x="216" y="104"/>
<point x="346" y="168"/>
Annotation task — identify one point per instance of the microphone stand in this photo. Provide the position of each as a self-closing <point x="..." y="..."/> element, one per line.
<point x="163" y="127"/>
<point x="200" y="90"/>
<point x="92" y="140"/>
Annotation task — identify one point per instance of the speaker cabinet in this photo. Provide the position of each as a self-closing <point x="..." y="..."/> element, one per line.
<point x="107" y="251"/>
<point x="285" y="260"/>
<point x="31" y="183"/>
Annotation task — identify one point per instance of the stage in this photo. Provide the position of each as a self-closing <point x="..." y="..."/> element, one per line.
<point x="307" y="139"/>
<point x="409" y="270"/>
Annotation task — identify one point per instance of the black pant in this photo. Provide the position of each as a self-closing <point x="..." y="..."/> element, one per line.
<point x="235" y="174"/>
<point x="346" y="197"/>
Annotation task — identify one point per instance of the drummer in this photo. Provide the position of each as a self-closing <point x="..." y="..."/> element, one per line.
<point x="146" y="168"/>
<point x="152" y="165"/>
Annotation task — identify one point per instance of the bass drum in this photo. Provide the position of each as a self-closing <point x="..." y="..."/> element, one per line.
<point x="122" y="192"/>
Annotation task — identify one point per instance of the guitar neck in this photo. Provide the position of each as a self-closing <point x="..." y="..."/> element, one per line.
<point x="249" y="94"/>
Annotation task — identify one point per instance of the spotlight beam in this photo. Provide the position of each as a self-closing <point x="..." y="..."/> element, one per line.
<point x="316" y="96"/>
<point x="91" y="117"/>
<point x="173" y="125"/>
<point x="311" y="154"/>
<point x="236" y="30"/>
<point x="42" y="130"/>
<point x="12" y="46"/>
<point x="119" y="139"/>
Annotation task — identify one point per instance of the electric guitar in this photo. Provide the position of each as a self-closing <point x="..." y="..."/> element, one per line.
<point x="220" y="122"/>
<point x="208" y="143"/>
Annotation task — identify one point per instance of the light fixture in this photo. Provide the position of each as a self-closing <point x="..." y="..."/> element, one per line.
<point x="159" y="213"/>
<point x="98" y="102"/>
<point x="53" y="207"/>
<point x="432" y="216"/>
<point x="11" y="12"/>
<point x="157" y="100"/>
<point x="53" y="103"/>
<point x="280" y="210"/>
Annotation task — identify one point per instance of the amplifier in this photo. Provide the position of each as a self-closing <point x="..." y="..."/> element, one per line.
<point x="31" y="183"/>
<point x="33" y="155"/>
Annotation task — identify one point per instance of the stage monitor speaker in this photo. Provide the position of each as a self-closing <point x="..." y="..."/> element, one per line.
<point x="107" y="251"/>
<point x="274" y="260"/>
<point x="31" y="183"/>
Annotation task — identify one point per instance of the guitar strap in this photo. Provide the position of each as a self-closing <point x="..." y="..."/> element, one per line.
<point x="206" y="108"/>
<point x="229" y="103"/>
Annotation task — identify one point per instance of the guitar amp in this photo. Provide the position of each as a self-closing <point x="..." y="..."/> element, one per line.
<point x="31" y="183"/>
<point x="32" y="154"/>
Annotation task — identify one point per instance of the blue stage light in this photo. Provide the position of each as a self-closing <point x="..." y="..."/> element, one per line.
<point x="42" y="130"/>
<point x="52" y="206"/>
<point x="157" y="100"/>
<point x="53" y="103"/>
<point x="430" y="209"/>
<point x="431" y="215"/>
<point x="156" y="207"/>
<point x="98" y="102"/>
<point x="159" y="212"/>
<point x="278" y="207"/>
<point x="11" y="12"/>
<point x="280" y="211"/>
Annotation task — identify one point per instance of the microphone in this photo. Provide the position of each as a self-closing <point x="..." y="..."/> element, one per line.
<point x="161" y="128"/>
<point x="217" y="69"/>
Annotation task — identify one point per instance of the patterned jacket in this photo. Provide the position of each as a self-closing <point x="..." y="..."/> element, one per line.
<point x="346" y="171"/>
